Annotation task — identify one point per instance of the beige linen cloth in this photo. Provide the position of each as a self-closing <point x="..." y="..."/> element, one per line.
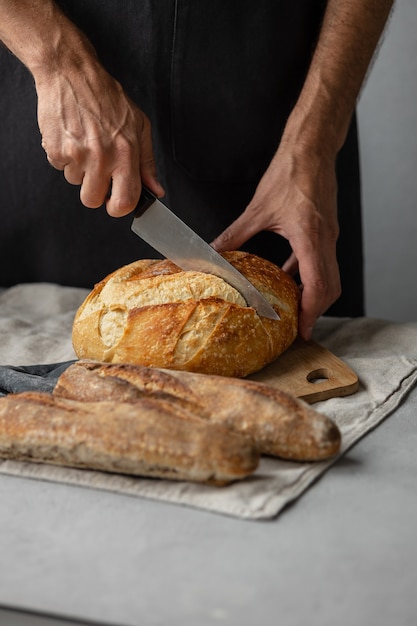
<point x="35" y="328"/>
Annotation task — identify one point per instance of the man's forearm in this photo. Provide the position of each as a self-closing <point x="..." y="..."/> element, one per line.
<point x="349" y="36"/>
<point x="90" y="128"/>
<point x="40" y="35"/>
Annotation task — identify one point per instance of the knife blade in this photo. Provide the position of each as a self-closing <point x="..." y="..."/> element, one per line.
<point x="164" y="231"/>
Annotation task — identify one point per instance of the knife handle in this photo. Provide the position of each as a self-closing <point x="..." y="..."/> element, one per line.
<point x="146" y="199"/>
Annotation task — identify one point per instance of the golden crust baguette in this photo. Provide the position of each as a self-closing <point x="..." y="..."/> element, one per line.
<point x="153" y="313"/>
<point x="276" y="422"/>
<point x="146" y="438"/>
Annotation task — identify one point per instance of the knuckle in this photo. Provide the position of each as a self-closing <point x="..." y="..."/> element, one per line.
<point x="148" y="163"/>
<point x="97" y="160"/>
<point x="125" y="151"/>
<point x="327" y="292"/>
<point x="332" y="229"/>
<point x="54" y="154"/>
<point x="121" y="205"/>
<point x="321" y="286"/>
<point x="225" y="238"/>
<point x="71" y="153"/>
<point x="72" y="178"/>
<point x="91" y="201"/>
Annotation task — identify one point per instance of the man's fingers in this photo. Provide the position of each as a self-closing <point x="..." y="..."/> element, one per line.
<point x="235" y="235"/>
<point x="291" y="265"/>
<point x="147" y="161"/>
<point x="320" y="288"/>
<point x="127" y="179"/>
<point x="125" y="192"/>
<point x="74" y="173"/>
<point x="317" y="292"/>
<point x="56" y="160"/>
<point x="309" y="313"/>
<point x="58" y="165"/>
<point x="94" y="188"/>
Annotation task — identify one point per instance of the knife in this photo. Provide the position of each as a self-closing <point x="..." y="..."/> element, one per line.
<point x="164" y="231"/>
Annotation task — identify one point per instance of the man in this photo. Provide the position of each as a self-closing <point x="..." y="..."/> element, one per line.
<point x="253" y="133"/>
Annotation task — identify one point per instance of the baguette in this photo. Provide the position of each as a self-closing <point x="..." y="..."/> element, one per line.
<point x="276" y="422"/>
<point x="145" y="438"/>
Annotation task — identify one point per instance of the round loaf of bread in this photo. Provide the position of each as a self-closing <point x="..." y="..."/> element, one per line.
<point x="152" y="313"/>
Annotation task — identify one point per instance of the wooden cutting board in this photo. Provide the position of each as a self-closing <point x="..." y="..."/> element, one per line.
<point x="309" y="371"/>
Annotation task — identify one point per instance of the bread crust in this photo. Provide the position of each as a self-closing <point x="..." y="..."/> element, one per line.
<point x="146" y="438"/>
<point x="276" y="422"/>
<point x="153" y="313"/>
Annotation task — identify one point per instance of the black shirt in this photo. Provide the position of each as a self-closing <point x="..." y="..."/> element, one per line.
<point x="218" y="85"/>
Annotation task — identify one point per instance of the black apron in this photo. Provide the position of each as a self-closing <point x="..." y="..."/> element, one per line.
<point x="218" y="85"/>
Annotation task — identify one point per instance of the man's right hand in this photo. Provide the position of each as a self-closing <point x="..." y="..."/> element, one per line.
<point x="90" y="129"/>
<point x="99" y="138"/>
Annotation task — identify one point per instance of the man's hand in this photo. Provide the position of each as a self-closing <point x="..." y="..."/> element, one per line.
<point x="90" y="129"/>
<point x="296" y="198"/>
<point x="97" y="136"/>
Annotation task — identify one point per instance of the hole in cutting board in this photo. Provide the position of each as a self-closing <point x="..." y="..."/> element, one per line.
<point x="318" y="376"/>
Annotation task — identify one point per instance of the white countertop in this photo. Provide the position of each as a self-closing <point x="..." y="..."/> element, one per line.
<point x="345" y="553"/>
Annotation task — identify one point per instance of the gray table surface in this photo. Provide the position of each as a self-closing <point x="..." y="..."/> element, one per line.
<point x="344" y="553"/>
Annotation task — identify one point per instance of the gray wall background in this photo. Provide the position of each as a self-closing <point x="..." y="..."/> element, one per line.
<point x="387" y="112"/>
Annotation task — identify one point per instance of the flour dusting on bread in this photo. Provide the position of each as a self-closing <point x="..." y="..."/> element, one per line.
<point x="155" y="314"/>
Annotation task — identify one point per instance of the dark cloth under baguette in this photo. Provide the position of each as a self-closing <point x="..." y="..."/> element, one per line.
<point x="15" y="379"/>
